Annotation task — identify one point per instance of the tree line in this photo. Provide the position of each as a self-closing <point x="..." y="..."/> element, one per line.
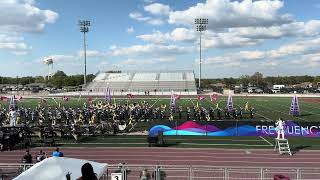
<point x="59" y="80"/>
<point x="257" y="79"/>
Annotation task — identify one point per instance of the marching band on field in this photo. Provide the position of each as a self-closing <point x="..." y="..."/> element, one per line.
<point x="95" y="113"/>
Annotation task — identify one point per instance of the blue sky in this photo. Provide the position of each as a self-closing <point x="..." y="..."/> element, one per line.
<point x="275" y="37"/>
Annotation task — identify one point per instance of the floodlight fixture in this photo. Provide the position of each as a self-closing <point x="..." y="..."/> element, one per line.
<point x="201" y="25"/>
<point x="84" y="28"/>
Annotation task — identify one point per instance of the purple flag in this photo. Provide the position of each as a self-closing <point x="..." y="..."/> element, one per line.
<point x="173" y="101"/>
<point x="294" y="108"/>
<point x="107" y="95"/>
<point x="230" y="104"/>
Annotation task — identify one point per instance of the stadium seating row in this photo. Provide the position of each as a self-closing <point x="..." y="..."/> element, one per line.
<point x="144" y="81"/>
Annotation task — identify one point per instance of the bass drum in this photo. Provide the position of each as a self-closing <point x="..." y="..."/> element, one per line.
<point x="122" y="125"/>
<point x="1" y="136"/>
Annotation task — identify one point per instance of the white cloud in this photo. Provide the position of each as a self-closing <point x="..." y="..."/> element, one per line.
<point x="157" y="9"/>
<point x="151" y="50"/>
<point x="148" y="1"/>
<point x="136" y="62"/>
<point x="155" y="22"/>
<point x="150" y="61"/>
<point x="139" y="17"/>
<point x="227" y="40"/>
<point x="271" y="64"/>
<point x="297" y="48"/>
<point x="303" y="29"/>
<point x="60" y="58"/>
<point x="178" y="34"/>
<point x="236" y="37"/>
<point x="18" y="17"/>
<point x="227" y="14"/>
<point x="306" y="52"/>
<point x="14" y="44"/>
<point x="130" y="30"/>
<point x="24" y="16"/>
<point x="183" y="34"/>
<point x="112" y="47"/>
<point x="103" y="63"/>
<point x="73" y="58"/>
<point x="309" y="60"/>
<point x="92" y="53"/>
<point x="232" y="58"/>
<point x="252" y="55"/>
<point x="156" y="37"/>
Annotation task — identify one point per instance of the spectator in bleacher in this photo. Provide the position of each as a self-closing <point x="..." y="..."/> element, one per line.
<point x="145" y="175"/>
<point x="41" y="156"/>
<point x="57" y="153"/>
<point x="27" y="158"/>
<point x="86" y="172"/>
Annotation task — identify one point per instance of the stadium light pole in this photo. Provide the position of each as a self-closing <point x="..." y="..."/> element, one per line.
<point x="201" y="25"/>
<point x="84" y="28"/>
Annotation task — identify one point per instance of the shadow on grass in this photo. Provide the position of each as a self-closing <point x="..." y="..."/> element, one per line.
<point x="296" y="149"/>
<point x="305" y="115"/>
<point x="167" y="144"/>
<point x="84" y="139"/>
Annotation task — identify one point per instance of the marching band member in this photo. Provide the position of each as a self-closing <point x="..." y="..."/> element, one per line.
<point x="171" y="116"/>
<point x="246" y="106"/>
<point x="13" y="117"/>
<point x="208" y="117"/>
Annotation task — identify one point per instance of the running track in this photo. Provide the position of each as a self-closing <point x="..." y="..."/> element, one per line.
<point x="180" y="156"/>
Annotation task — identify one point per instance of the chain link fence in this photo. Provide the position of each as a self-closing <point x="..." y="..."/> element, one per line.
<point x="172" y="172"/>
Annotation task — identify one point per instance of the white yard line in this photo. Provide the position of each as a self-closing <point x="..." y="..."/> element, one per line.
<point x="155" y="102"/>
<point x="266" y="140"/>
<point x="264" y="116"/>
<point x="274" y="110"/>
<point x="141" y="118"/>
<point x="191" y="102"/>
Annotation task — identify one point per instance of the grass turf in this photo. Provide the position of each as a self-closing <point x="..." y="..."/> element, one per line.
<point x="266" y="108"/>
<point x="296" y="143"/>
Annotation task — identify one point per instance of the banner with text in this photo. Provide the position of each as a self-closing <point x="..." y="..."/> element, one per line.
<point x="234" y="128"/>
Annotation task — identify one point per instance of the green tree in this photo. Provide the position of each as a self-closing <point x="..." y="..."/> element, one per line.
<point x="257" y="79"/>
<point x="244" y="79"/>
<point x="58" y="79"/>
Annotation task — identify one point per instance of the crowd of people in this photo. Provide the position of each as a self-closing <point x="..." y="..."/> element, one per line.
<point x="86" y="169"/>
<point x="40" y="156"/>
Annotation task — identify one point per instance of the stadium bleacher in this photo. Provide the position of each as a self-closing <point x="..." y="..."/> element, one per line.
<point x="182" y="82"/>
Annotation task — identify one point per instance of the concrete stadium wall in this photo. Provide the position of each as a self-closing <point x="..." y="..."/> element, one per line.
<point x="120" y="93"/>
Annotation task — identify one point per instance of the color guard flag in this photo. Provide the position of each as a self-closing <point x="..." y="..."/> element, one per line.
<point x="18" y="98"/>
<point x="89" y="99"/>
<point x="44" y="101"/>
<point x="4" y="98"/>
<point x="172" y="101"/>
<point x="213" y="97"/>
<point x="107" y="95"/>
<point x="129" y="96"/>
<point x="65" y="98"/>
<point x="200" y="98"/>
<point x="176" y="96"/>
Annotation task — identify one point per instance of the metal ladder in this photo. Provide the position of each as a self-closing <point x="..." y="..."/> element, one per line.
<point x="283" y="146"/>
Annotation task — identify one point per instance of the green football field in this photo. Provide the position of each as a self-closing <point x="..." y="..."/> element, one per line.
<point x="265" y="108"/>
<point x="248" y="142"/>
